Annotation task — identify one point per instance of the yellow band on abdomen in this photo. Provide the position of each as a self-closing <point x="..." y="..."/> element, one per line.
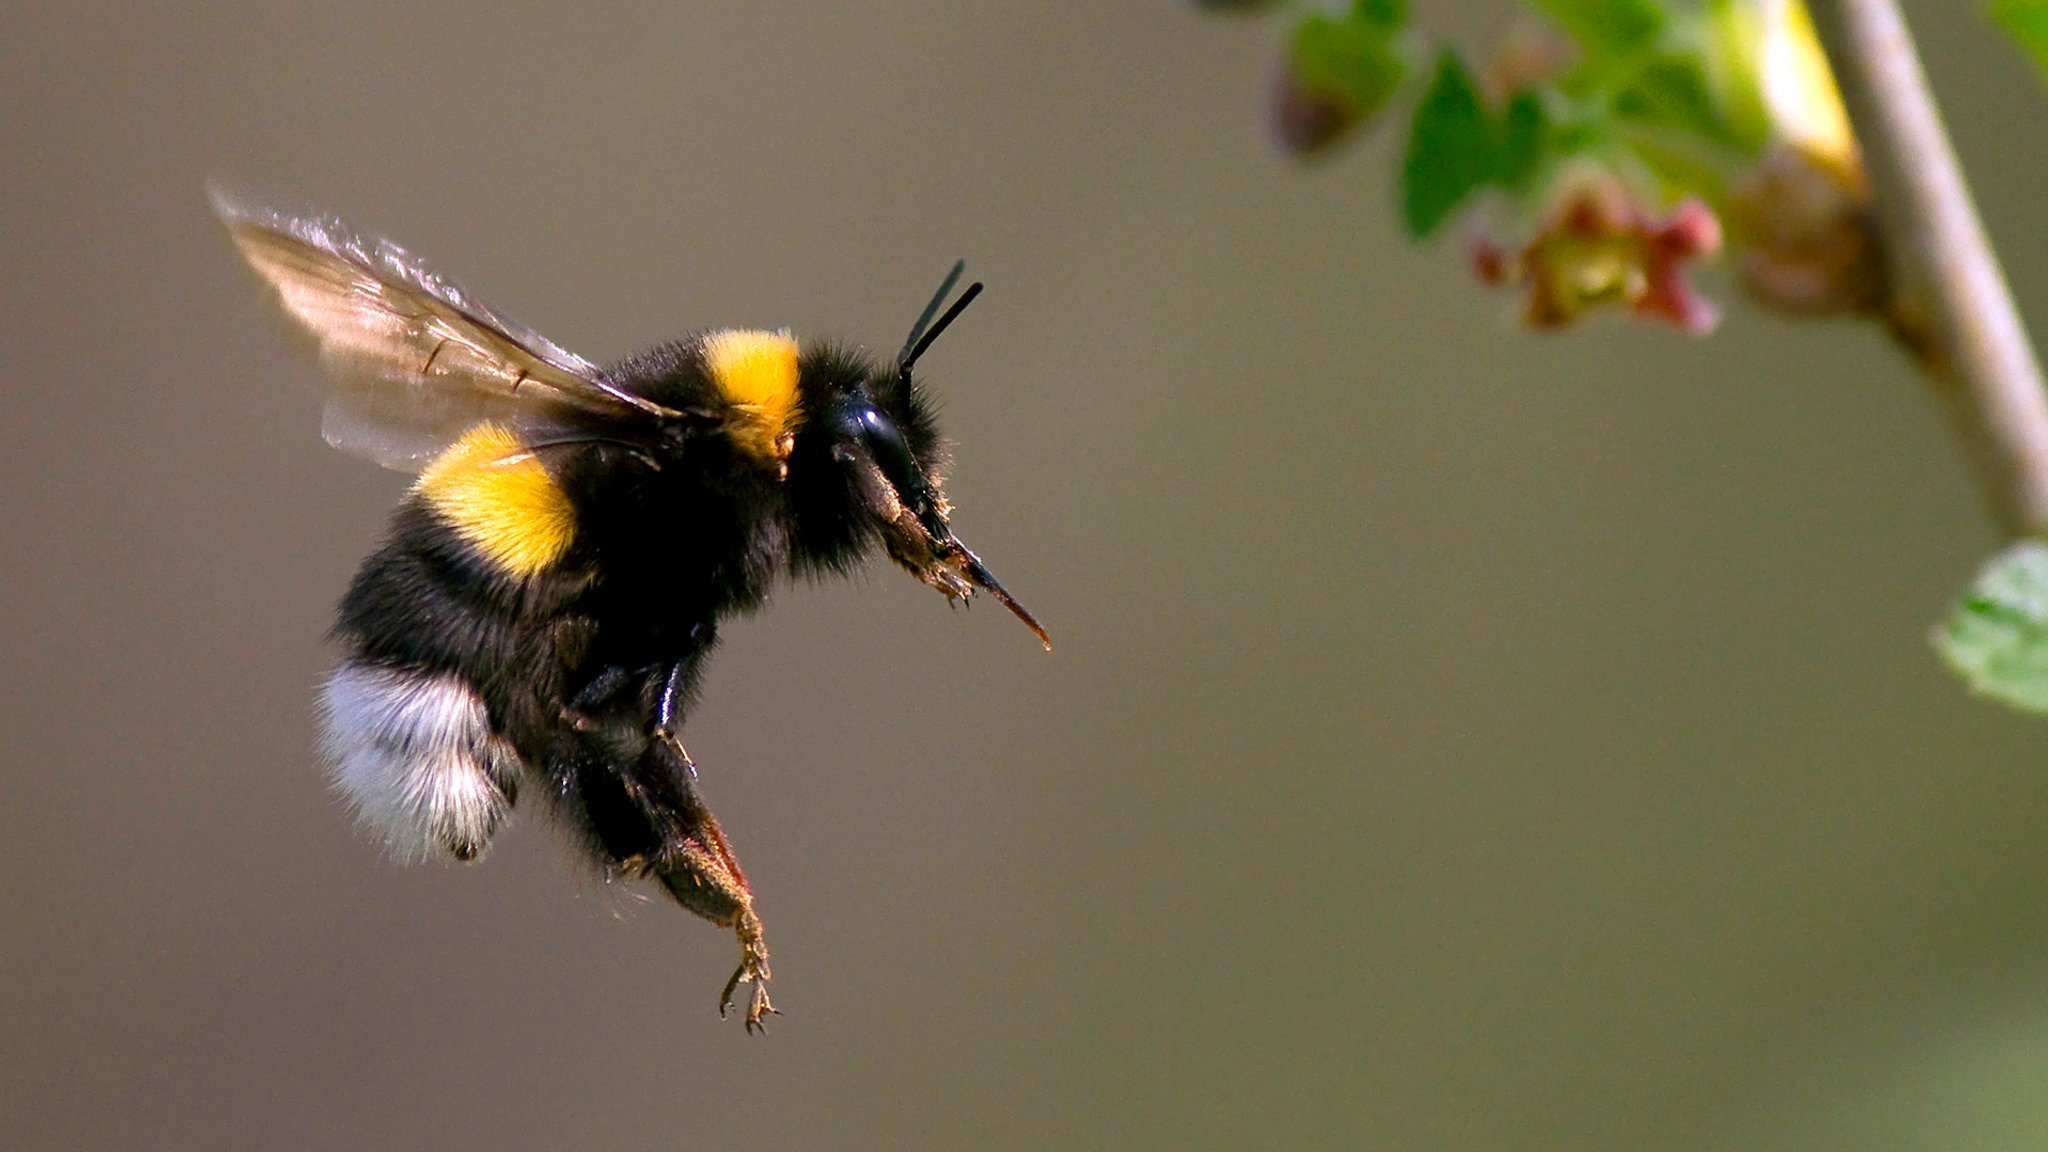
<point x="500" y="498"/>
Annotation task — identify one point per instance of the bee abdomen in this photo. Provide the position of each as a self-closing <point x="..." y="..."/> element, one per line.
<point x="414" y="753"/>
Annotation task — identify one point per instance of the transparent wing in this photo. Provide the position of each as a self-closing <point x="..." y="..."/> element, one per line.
<point x="413" y="361"/>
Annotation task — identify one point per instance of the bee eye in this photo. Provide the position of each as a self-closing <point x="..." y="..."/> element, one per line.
<point x="891" y="452"/>
<point x="900" y="468"/>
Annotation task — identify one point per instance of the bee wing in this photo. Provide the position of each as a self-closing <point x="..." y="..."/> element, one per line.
<point x="413" y="360"/>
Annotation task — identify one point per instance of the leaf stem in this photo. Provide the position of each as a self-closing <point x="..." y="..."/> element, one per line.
<point x="1949" y="303"/>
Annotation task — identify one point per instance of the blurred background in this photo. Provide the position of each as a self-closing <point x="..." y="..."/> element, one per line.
<point x="1457" y="737"/>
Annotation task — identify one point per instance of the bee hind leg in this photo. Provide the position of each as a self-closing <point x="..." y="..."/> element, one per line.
<point x="696" y="864"/>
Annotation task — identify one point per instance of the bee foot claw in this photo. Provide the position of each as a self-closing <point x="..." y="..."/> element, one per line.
<point x="753" y="970"/>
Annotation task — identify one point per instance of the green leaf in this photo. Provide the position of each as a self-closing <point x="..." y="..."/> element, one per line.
<point x="1672" y="92"/>
<point x="1389" y="16"/>
<point x="1358" y="62"/>
<point x="1681" y="165"/>
<point x="1453" y="149"/>
<point x="1525" y="132"/>
<point x="1733" y="54"/>
<point x="2026" y="21"/>
<point x="1608" y="28"/>
<point x="1996" y="637"/>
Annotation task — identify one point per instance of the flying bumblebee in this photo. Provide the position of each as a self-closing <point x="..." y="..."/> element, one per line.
<point x="539" y="616"/>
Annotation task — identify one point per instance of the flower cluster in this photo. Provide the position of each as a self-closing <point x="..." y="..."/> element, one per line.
<point x="1615" y="148"/>
<point x="1597" y="247"/>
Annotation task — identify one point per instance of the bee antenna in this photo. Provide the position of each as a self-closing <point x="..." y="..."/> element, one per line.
<point x="926" y="330"/>
<point x="930" y="310"/>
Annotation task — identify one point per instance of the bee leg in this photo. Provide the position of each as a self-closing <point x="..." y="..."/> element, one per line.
<point x="581" y="711"/>
<point x="696" y="864"/>
<point x="666" y="712"/>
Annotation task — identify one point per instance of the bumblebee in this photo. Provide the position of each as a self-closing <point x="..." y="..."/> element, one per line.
<point x="538" y="618"/>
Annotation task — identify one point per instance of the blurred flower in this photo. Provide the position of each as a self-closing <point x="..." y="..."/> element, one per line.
<point x="1596" y="247"/>
<point x="1807" y="237"/>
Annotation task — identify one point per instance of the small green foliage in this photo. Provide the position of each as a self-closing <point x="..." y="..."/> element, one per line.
<point x="1671" y="93"/>
<point x="1389" y="16"/>
<point x="1342" y="68"/>
<point x="2026" y="21"/>
<point x="1525" y="132"/>
<point x="1357" y="60"/>
<point x="1731" y="51"/>
<point x="1453" y="149"/>
<point x="1608" y="28"/>
<point x="1996" y="637"/>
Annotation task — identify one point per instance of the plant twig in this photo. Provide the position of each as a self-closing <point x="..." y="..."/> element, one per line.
<point x="1949" y="301"/>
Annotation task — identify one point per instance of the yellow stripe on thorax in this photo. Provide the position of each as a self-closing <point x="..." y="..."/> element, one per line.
<point x="756" y="372"/>
<point x="500" y="498"/>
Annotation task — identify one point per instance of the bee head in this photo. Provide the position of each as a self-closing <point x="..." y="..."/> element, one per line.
<point x="885" y="446"/>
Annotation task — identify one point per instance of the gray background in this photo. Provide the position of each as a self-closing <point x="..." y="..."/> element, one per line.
<point x="1457" y="737"/>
